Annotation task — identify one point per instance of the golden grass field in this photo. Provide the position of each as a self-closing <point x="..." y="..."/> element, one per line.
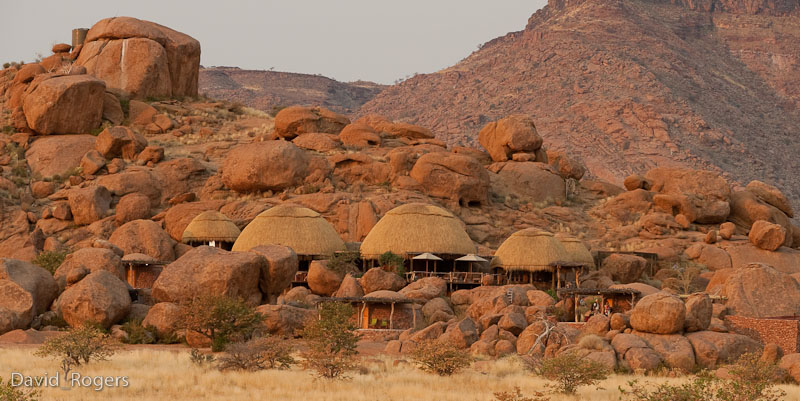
<point x="157" y="375"/>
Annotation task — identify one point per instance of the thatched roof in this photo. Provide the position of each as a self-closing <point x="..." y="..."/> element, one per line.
<point x="599" y="291"/>
<point x="300" y="228"/>
<point x="140" y="259"/>
<point x="530" y="249"/>
<point x="417" y="228"/>
<point x="576" y="249"/>
<point x="210" y="225"/>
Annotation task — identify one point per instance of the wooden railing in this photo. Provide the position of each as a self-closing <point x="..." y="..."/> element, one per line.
<point x="457" y="277"/>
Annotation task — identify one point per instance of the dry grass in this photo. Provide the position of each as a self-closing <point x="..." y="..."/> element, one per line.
<point x="169" y="375"/>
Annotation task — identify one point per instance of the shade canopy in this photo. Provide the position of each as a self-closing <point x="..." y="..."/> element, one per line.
<point x="471" y="258"/>
<point x="209" y="226"/>
<point x="300" y="228"/>
<point x="426" y="256"/>
<point x="417" y="228"/>
<point x="139" y="259"/>
<point x="530" y="249"/>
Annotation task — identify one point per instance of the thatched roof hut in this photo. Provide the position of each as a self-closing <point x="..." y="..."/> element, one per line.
<point x="210" y="226"/>
<point x="576" y="249"/>
<point x="300" y="228"/>
<point x="417" y="228"/>
<point x="530" y="250"/>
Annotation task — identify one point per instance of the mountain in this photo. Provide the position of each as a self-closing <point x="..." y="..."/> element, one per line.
<point x="264" y="90"/>
<point x="630" y="85"/>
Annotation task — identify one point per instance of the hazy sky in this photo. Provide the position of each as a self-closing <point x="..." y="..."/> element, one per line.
<point x="347" y="39"/>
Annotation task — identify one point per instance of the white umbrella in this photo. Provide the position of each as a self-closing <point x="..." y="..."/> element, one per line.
<point x="426" y="257"/>
<point x="471" y="258"/>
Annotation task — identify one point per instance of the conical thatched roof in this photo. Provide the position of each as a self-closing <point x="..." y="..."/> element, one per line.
<point x="530" y="249"/>
<point x="417" y="228"/>
<point x="302" y="229"/>
<point x="576" y="249"/>
<point x="210" y="226"/>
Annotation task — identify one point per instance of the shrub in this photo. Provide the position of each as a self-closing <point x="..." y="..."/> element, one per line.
<point x="258" y="354"/>
<point x="570" y="371"/>
<point x="751" y="380"/>
<point x="516" y="395"/>
<point x="200" y="359"/>
<point x="222" y="319"/>
<point x="331" y="341"/>
<point x="344" y="262"/>
<point x="50" y="260"/>
<point x="440" y="357"/>
<point x="10" y="393"/>
<point x="592" y="342"/>
<point x="138" y="334"/>
<point x="78" y="347"/>
<point x="393" y="262"/>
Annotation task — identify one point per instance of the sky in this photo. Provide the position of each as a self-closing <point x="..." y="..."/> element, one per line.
<point x="347" y="40"/>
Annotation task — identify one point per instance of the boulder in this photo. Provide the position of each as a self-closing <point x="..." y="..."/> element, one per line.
<point x="702" y="196"/>
<point x="263" y="166"/>
<point x="539" y="298"/>
<point x="432" y="332"/>
<point x="636" y="352"/>
<point x="772" y="353"/>
<point x="38" y="282"/>
<point x="142" y="58"/>
<point x="279" y="270"/>
<point x="456" y="177"/>
<point x="713" y="257"/>
<point x="100" y="297"/>
<point x="71" y="104"/>
<point x="634" y="182"/>
<point x="92" y="162"/>
<point x="698" y="312"/>
<point x="58" y="155"/>
<point x="322" y="280"/>
<point x="619" y="321"/>
<point x="597" y="324"/>
<point x="461" y="333"/>
<point x="513" y="134"/>
<point x="211" y="271"/>
<point x="17" y="307"/>
<point x="350" y="288"/>
<point x="766" y="235"/>
<point x="514" y="322"/>
<point x="144" y="236"/>
<point x="377" y="279"/>
<point x="712" y="349"/>
<point x="747" y="208"/>
<point x="565" y="166"/>
<point x="141" y="181"/>
<point x="27" y="72"/>
<point x="296" y="120"/>
<point x="659" y="313"/>
<point x="674" y="349"/>
<point x="85" y="261"/>
<point x="643" y="288"/>
<point x="751" y="292"/>
<point x="286" y="320"/>
<point x="772" y="196"/>
<point x="179" y="216"/>
<point x="359" y="135"/>
<point x="316" y="142"/>
<point x="597" y="279"/>
<point x="437" y="310"/>
<point x="89" y="204"/>
<point x="624" y="268"/>
<point x="783" y="259"/>
<point x="531" y="181"/>
<point x="425" y="289"/>
<point x="790" y="363"/>
<point x="165" y="317"/>
<point x="121" y="142"/>
<point x="134" y="206"/>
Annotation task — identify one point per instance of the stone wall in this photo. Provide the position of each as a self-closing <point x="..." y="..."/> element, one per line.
<point x="785" y="332"/>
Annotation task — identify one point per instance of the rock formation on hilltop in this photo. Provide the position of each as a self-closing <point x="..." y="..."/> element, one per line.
<point x="268" y="90"/>
<point x="630" y="85"/>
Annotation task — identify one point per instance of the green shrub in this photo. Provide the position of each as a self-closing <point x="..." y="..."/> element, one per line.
<point x="440" y="357"/>
<point x="393" y="262"/>
<point x="570" y="371"/>
<point x="10" y="393"/>
<point x="257" y="354"/>
<point x="138" y="334"/>
<point x="222" y="319"/>
<point x="78" y="347"/>
<point x="331" y="341"/>
<point x="50" y="260"/>
<point x="344" y="262"/>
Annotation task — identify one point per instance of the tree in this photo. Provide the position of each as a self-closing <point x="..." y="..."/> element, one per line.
<point x="78" y="347"/>
<point x="569" y="371"/>
<point x="440" y="357"/>
<point x="10" y="393"/>
<point x="222" y="319"/>
<point x="393" y="262"/>
<point x="331" y="341"/>
<point x="257" y="354"/>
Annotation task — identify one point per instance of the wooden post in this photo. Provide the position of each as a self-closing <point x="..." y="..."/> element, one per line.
<point x="558" y="277"/>
<point x="575" y="302"/>
<point x="391" y="318"/>
<point x="361" y="316"/>
<point x="414" y="316"/>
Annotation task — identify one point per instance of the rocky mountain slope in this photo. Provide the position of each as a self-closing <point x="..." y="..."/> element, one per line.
<point x="630" y="85"/>
<point x="264" y="90"/>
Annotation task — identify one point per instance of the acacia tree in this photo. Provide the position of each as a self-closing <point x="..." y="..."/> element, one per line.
<point x="222" y="319"/>
<point x="331" y="341"/>
<point x="79" y="346"/>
